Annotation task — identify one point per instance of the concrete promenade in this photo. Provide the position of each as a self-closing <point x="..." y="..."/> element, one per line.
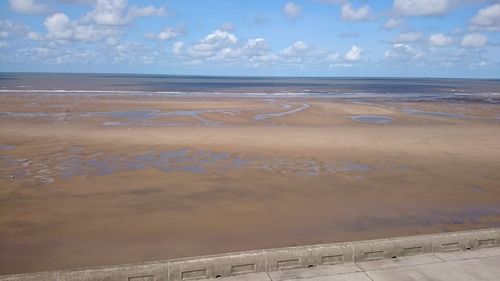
<point x="466" y="255"/>
<point x="476" y="265"/>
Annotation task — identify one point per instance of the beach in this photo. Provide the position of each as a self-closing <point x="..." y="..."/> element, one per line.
<point x="117" y="178"/>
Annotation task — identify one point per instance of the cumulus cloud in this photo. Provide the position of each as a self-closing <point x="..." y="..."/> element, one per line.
<point x="354" y="54"/>
<point x="147" y="11"/>
<point x="255" y="47"/>
<point x="102" y="22"/>
<point x="292" y="10"/>
<point x="295" y="49"/>
<point x="213" y="42"/>
<point x="117" y="12"/>
<point x="487" y="19"/>
<point x="406" y="37"/>
<point x="440" y="40"/>
<point x="28" y="7"/>
<point x="422" y="7"/>
<point x="222" y="46"/>
<point x="60" y="27"/>
<point x="393" y="23"/>
<point x="403" y="52"/>
<point x="168" y="33"/>
<point x="177" y="47"/>
<point x="348" y="13"/>
<point x="108" y="12"/>
<point x="473" y="40"/>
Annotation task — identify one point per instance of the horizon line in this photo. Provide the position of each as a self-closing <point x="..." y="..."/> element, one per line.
<point x="244" y="76"/>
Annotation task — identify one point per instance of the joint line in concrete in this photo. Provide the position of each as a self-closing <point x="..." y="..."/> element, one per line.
<point x="364" y="272"/>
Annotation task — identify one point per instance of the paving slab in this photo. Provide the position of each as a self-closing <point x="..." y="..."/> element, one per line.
<point x="325" y="270"/>
<point x="487" y="269"/>
<point x="399" y="262"/>
<point x="356" y="276"/>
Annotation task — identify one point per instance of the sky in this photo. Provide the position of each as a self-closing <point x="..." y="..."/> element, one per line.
<point x="335" y="38"/>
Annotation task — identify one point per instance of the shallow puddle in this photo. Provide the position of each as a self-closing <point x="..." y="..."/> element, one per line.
<point x="413" y="111"/>
<point x="376" y="119"/>
<point x="146" y="117"/>
<point x="265" y="116"/>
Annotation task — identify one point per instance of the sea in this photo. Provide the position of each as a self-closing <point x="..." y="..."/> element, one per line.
<point x="383" y="89"/>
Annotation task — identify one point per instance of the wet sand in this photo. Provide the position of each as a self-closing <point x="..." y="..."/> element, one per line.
<point x="120" y="179"/>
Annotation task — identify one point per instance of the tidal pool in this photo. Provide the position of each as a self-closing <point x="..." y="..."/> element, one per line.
<point x="265" y="116"/>
<point x="414" y="111"/>
<point x="376" y="119"/>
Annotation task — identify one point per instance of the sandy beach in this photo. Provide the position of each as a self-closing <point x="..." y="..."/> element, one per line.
<point x="107" y="180"/>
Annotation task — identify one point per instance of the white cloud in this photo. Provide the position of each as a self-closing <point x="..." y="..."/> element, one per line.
<point x="295" y="49"/>
<point x="58" y="26"/>
<point x="9" y="28"/>
<point x="354" y="54"/>
<point x="393" y="23"/>
<point x="177" y="47"/>
<point x="473" y="40"/>
<point x="348" y="13"/>
<point x="422" y="7"/>
<point x="100" y="23"/>
<point x="116" y="12"/>
<point x="213" y="42"/>
<point x="33" y="35"/>
<point x="440" y="40"/>
<point x="333" y="57"/>
<point x="147" y="11"/>
<point x="403" y="52"/>
<point x="28" y="7"/>
<point x="223" y="46"/>
<point x="109" y="12"/>
<point x="255" y="47"/>
<point x="292" y="10"/>
<point x="91" y="33"/>
<point x="112" y="41"/>
<point x="487" y="19"/>
<point x="168" y="33"/>
<point x="406" y="37"/>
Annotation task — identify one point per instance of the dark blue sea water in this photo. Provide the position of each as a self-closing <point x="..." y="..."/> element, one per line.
<point x="415" y="89"/>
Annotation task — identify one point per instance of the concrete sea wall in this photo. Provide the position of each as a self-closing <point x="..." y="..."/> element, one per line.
<point x="274" y="259"/>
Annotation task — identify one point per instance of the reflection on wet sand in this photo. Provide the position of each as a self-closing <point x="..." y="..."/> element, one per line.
<point x="373" y="119"/>
<point x="265" y="116"/>
<point x="410" y="110"/>
<point x="75" y="161"/>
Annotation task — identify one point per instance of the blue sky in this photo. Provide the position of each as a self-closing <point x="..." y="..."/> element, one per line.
<point x="429" y="38"/>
